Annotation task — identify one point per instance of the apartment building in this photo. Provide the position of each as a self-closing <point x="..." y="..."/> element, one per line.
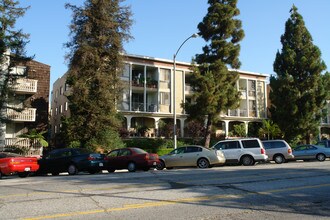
<point x="32" y="89"/>
<point x="148" y="97"/>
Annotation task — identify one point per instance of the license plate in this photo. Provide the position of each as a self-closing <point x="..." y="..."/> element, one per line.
<point x="101" y="164"/>
<point x="27" y="169"/>
<point x="154" y="163"/>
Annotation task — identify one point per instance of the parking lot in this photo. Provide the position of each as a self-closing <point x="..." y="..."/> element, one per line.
<point x="265" y="191"/>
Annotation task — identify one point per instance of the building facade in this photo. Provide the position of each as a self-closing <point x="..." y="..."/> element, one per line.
<point x="148" y="97"/>
<point x="31" y="90"/>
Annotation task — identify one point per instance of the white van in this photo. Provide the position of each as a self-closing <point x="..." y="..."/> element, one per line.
<point x="246" y="151"/>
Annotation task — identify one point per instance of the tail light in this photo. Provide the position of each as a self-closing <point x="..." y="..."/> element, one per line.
<point x="289" y="150"/>
<point x="263" y="151"/>
<point x="91" y="158"/>
<point x="146" y="157"/>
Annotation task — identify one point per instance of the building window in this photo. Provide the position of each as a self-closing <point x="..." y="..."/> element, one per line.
<point x="164" y="75"/>
<point x="55" y="129"/>
<point x="66" y="106"/>
<point x="61" y="109"/>
<point x="165" y="98"/>
<point x="61" y="90"/>
<point x="56" y="111"/>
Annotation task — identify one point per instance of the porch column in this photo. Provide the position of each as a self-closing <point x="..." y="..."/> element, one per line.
<point x="226" y="128"/>
<point x="182" y="121"/>
<point x="156" y="126"/>
<point x="246" y="128"/>
<point x="128" y="121"/>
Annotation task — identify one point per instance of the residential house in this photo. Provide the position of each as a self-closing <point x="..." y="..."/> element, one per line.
<point x="31" y="90"/>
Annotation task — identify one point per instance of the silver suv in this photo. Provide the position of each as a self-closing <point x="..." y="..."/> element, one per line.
<point x="278" y="150"/>
<point x="246" y="151"/>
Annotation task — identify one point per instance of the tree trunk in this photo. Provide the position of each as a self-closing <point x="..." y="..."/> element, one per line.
<point x="208" y="131"/>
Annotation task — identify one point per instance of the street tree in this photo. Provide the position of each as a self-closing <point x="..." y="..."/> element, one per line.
<point x="12" y="54"/>
<point x="98" y="30"/>
<point x="214" y="85"/>
<point x="299" y="89"/>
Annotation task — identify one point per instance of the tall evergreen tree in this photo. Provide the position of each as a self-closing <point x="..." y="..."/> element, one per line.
<point x="298" y="90"/>
<point x="12" y="53"/>
<point x="98" y="30"/>
<point x="214" y="85"/>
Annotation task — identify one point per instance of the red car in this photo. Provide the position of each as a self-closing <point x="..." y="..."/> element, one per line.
<point x="11" y="163"/>
<point x="131" y="159"/>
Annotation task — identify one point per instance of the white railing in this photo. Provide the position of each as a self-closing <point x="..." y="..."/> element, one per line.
<point x="28" y="86"/>
<point x="22" y="146"/>
<point x="28" y="114"/>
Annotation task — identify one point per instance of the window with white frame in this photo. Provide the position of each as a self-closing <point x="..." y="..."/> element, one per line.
<point x="165" y="75"/>
<point x="165" y="98"/>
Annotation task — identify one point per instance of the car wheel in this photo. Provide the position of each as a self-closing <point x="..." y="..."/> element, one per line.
<point x="23" y="174"/>
<point x="111" y="170"/>
<point x="279" y="159"/>
<point x="320" y="157"/>
<point x="72" y="169"/>
<point x="247" y="160"/>
<point x="160" y="165"/>
<point x="203" y="163"/>
<point x="131" y="167"/>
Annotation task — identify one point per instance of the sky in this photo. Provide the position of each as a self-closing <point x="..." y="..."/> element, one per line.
<point x="161" y="26"/>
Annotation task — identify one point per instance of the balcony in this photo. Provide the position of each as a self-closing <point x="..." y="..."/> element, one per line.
<point x="25" y="86"/>
<point x="27" y="115"/>
<point x="22" y="145"/>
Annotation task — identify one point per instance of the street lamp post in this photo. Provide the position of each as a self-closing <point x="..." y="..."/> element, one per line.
<point x="174" y="88"/>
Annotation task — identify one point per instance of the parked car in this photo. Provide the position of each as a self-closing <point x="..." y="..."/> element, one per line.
<point x="278" y="150"/>
<point x="11" y="163"/>
<point x="246" y="151"/>
<point x="71" y="160"/>
<point x="311" y="152"/>
<point x="192" y="155"/>
<point x="131" y="159"/>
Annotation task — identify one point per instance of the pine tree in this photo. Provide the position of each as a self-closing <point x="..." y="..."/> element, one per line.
<point x="12" y="53"/>
<point x="298" y="90"/>
<point x="214" y="85"/>
<point x="98" y="30"/>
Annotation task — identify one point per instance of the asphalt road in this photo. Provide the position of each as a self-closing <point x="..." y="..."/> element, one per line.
<point x="296" y="190"/>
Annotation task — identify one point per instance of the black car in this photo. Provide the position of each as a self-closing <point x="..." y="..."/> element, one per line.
<point x="71" y="160"/>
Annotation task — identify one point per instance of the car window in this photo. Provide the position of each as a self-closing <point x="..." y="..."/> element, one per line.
<point x="193" y="149"/>
<point x="139" y="151"/>
<point x="303" y="147"/>
<point x="310" y="147"/>
<point x="267" y="145"/>
<point x="227" y="145"/>
<point x="59" y="153"/>
<point x="79" y="151"/>
<point x="180" y="150"/>
<point x="113" y="153"/>
<point x="250" y="144"/>
<point x="124" y="152"/>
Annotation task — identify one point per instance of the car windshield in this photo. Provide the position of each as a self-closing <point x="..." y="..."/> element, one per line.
<point x="139" y="151"/>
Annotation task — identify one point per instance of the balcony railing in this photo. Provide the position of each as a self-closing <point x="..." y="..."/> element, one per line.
<point x="25" y="86"/>
<point x="22" y="146"/>
<point x="27" y="115"/>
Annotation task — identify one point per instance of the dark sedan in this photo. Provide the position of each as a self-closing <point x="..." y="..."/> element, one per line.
<point x="131" y="159"/>
<point x="311" y="152"/>
<point x="71" y="160"/>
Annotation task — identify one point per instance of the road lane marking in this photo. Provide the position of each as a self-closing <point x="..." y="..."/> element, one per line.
<point x="172" y="202"/>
